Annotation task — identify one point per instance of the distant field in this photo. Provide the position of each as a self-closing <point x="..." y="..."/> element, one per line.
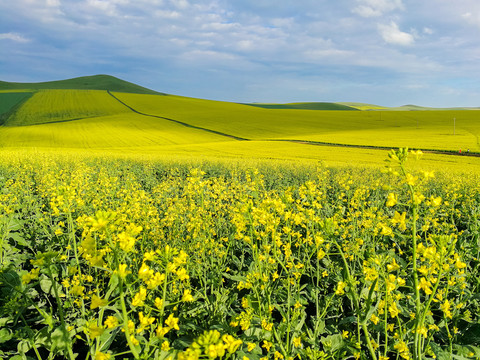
<point x="138" y="124"/>
<point x="420" y="129"/>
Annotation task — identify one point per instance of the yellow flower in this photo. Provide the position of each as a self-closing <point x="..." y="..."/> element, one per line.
<point x="145" y="273"/>
<point x="158" y="303"/>
<point x="165" y="345"/>
<point x="402" y="349"/>
<point x="391" y="200"/>
<point x="134" y="340"/>
<point x="187" y="296"/>
<point x="436" y="202"/>
<point x="267" y="345"/>
<point x="155" y="281"/>
<point x="231" y="344"/>
<point x="410" y="179"/>
<point x="393" y="266"/>
<point x="77" y="290"/>
<point x="417" y="153"/>
<point x="139" y="298"/>
<point x="122" y="271"/>
<point x="425" y="286"/>
<point x="126" y="241"/>
<point x="172" y="322"/>
<point x="340" y="288"/>
<point x="266" y="325"/>
<point x="375" y="319"/>
<point x="102" y="356"/>
<point x="297" y="341"/>
<point x="145" y="321"/>
<point x="400" y="220"/>
<point x="111" y="322"/>
<point x="161" y="331"/>
<point x="97" y="302"/>
<point x="387" y="231"/>
<point x="182" y="274"/>
<point x="393" y="310"/>
<point x="445" y="307"/>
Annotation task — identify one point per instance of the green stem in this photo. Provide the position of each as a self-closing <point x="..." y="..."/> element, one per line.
<point x="60" y="311"/>
<point x="356" y="304"/>
<point x="125" y="322"/>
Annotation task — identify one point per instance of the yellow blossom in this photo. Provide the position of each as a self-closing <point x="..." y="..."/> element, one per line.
<point x="139" y="298"/>
<point x="111" y="322"/>
<point x="267" y="345"/>
<point x="391" y="200"/>
<point x="102" y="356"/>
<point x="187" y="296"/>
<point x="122" y="271"/>
<point x="172" y="322"/>
<point x="425" y="286"/>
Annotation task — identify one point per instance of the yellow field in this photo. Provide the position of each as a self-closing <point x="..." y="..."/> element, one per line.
<point x="94" y="121"/>
<point x="47" y="106"/>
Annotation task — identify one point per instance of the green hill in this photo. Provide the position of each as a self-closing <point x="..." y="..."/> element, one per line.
<point x="95" y="82"/>
<point x="305" y="106"/>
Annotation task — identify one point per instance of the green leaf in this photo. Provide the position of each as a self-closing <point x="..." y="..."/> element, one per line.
<point x="24" y="346"/>
<point x="439" y="352"/>
<point x="60" y="338"/>
<point x="465" y="352"/>
<point x="19" y="239"/>
<point x="5" y="335"/>
<point x="332" y="342"/>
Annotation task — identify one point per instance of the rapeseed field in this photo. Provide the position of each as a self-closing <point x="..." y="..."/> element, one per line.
<point x="121" y="258"/>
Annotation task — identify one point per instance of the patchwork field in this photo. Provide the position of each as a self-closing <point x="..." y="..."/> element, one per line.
<point x="87" y="118"/>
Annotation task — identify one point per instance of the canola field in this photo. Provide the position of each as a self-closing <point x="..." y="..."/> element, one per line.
<point x="127" y="258"/>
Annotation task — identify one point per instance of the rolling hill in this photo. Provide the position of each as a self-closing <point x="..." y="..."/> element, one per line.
<point x="100" y="113"/>
<point x="95" y="82"/>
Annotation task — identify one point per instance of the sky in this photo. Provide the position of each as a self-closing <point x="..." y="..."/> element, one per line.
<point x="386" y="52"/>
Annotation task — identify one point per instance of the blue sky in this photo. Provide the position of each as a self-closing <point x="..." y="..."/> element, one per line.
<point x="387" y="52"/>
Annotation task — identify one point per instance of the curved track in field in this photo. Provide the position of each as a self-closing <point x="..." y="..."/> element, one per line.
<point x="305" y="142"/>
<point x="177" y="121"/>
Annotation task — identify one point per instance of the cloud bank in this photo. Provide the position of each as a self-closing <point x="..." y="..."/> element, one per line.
<point x="385" y="51"/>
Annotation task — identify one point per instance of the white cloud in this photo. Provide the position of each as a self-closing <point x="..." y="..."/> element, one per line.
<point x="180" y="4"/>
<point x="427" y="30"/>
<point x="375" y="8"/>
<point x="14" y="37"/>
<point x="393" y="35"/>
<point x="472" y="18"/>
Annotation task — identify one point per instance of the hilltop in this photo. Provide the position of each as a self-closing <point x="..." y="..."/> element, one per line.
<point x="95" y="82"/>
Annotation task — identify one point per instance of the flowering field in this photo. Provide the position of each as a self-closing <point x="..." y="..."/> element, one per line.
<point x="103" y="258"/>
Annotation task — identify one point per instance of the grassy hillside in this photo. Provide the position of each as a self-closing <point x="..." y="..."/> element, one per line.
<point x="420" y="129"/>
<point x="47" y="106"/>
<point x="119" y="131"/>
<point x="9" y="101"/>
<point x="95" y="82"/>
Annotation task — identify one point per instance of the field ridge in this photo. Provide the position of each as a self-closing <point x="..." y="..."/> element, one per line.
<point x="177" y="121"/>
